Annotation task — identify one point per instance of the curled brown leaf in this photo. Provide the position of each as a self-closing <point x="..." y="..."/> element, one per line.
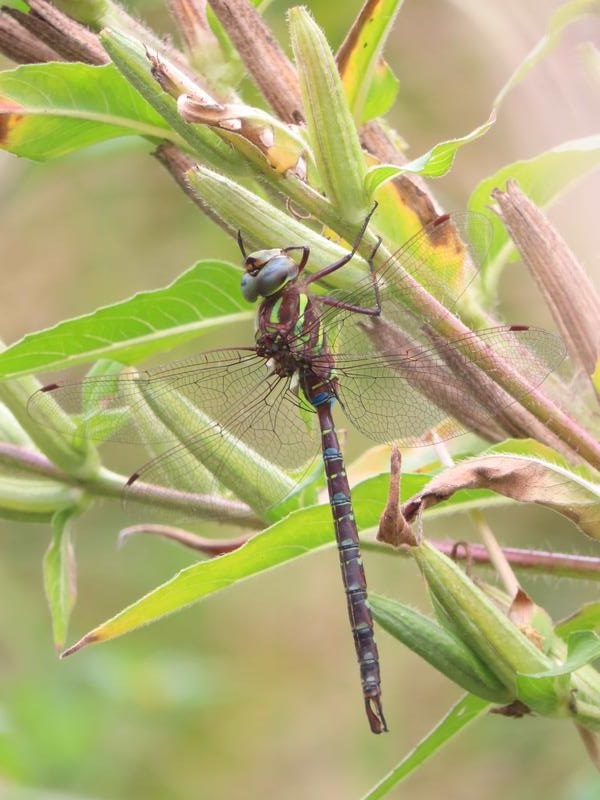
<point x="520" y="478"/>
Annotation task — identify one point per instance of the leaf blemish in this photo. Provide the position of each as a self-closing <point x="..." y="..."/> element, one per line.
<point x="8" y="118"/>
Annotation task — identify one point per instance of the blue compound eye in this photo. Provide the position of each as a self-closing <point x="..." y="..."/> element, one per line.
<point x="249" y="288"/>
<point x="275" y="274"/>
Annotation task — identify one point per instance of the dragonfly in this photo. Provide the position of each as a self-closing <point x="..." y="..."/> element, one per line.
<point x="268" y="404"/>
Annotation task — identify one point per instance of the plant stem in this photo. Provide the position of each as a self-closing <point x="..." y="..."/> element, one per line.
<point x="564" y="565"/>
<point x="110" y="484"/>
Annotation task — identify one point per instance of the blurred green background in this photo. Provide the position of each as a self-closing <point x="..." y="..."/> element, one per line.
<point x="255" y="693"/>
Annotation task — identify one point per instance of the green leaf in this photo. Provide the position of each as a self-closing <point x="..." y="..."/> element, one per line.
<point x="383" y="92"/>
<point x="432" y="164"/>
<point x="59" y="575"/>
<point x="583" y="648"/>
<point x="587" y="618"/>
<point x="204" y="297"/>
<point x="543" y="179"/>
<point x="467" y="710"/>
<point x="561" y="19"/>
<point x="296" y="535"/>
<point x="49" y="110"/>
<point x="439" y="647"/>
<point x="370" y="85"/>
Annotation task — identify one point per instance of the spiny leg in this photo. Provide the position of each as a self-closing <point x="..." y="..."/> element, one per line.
<point x="345" y="259"/>
<point x="374" y="311"/>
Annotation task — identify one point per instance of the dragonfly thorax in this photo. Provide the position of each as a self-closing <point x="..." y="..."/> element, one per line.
<point x="267" y="272"/>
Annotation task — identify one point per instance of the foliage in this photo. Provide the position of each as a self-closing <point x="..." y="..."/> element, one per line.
<point x="247" y="168"/>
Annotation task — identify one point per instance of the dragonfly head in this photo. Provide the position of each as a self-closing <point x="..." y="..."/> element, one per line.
<point x="267" y="271"/>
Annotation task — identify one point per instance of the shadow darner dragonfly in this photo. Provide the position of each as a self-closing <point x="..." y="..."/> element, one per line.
<point x="390" y="371"/>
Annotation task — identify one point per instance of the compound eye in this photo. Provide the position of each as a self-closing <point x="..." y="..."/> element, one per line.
<point x="249" y="288"/>
<point x="275" y="274"/>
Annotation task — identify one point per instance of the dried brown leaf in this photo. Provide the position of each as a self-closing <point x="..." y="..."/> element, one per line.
<point x="520" y="478"/>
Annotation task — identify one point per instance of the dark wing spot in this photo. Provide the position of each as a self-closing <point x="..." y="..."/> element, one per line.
<point x="132" y="478"/>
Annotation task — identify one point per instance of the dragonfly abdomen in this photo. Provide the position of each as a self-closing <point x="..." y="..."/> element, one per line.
<point x="346" y="533"/>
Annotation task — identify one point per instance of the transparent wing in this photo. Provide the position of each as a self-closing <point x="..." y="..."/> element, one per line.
<point x="407" y="381"/>
<point x="397" y="378"/>
<point x="444" y="257"/>
<point x="221" y="409"/>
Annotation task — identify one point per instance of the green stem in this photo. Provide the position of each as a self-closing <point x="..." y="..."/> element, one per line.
<point x="110" y="484"/>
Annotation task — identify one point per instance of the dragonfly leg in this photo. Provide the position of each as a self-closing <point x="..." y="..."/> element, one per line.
<point x="345" y="259"/>
<point x="370" y="311"/>
<point x="240" y="242"/>
<point x="305" y="254"/>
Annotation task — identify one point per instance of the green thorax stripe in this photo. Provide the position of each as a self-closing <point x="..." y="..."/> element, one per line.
<point x="315" y="332"/>
<point x="274" y="316"/>
<point x="302" y="303"/>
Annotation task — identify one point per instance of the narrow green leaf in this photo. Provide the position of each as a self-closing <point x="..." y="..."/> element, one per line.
<point x="49" y="110"/>
<point x="204" y="297"/>
<point x="432" y="164"/>
<point x="583" y="647"/>
<point x="439" y="647"/>
<point x="383" y="92"/>
<point x="467" y="710"/>
<point x="281" y="542"/>
<point x="59" y="576"/>
<point x="587" y="618"/>
<point x="294" y="536"/>
<point x="331" y="129"/>
<point x="369" y="83"/>
<point x="565" y="15"/>
<point x="543" y="179"/>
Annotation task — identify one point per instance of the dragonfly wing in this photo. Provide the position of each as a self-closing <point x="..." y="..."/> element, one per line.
<point x="218" y="420"/>
<point x="126" y="398"/>
<point x="444" y="257"/>
<point x="250" y="451"/>
<point x="398" y="379"/>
